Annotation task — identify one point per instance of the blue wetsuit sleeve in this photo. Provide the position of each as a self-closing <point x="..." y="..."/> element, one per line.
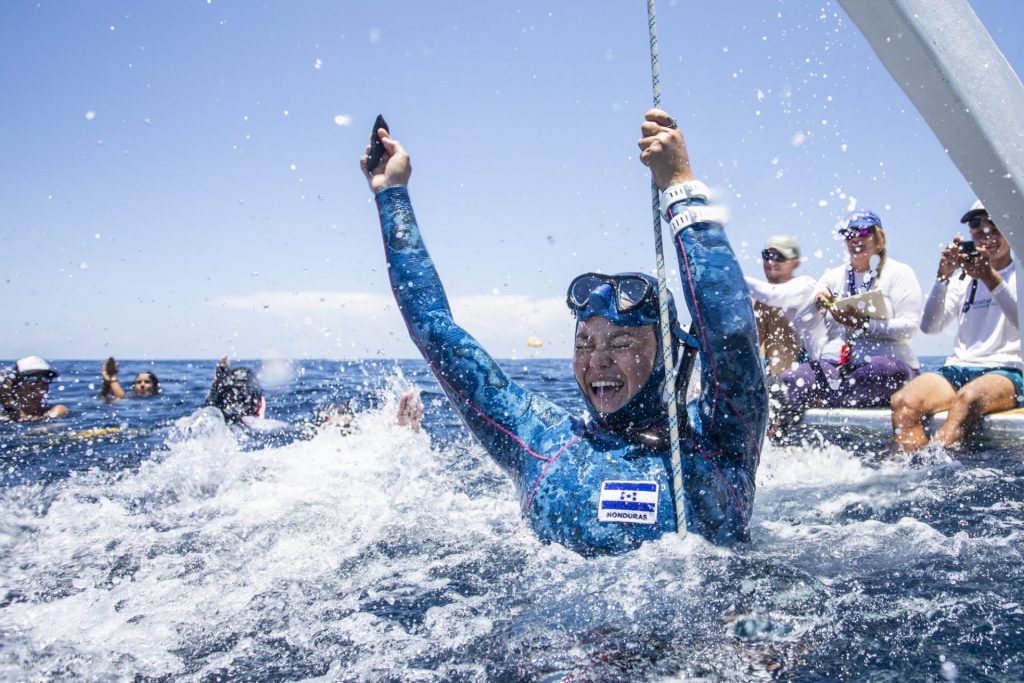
<point x="510" y="422"/>
<point x="733" y="405"/>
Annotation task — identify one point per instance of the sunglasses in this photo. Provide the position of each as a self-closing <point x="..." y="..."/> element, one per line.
<point x="850" y="233"/>
<point x="772" y="255"/>
<point x="976" y="223"/>
<point x="630" y="291"/>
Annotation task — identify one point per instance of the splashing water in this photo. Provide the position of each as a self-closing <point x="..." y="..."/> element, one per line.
<point x="387" y="554"/>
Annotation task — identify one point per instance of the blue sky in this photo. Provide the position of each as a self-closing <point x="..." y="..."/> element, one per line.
<point x="180" y="180"/>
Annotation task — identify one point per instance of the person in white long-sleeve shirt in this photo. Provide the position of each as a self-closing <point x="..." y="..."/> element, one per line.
<point x="864" y="360"/>
<point x="788" y="324"/>
<point x="984" y="374"/>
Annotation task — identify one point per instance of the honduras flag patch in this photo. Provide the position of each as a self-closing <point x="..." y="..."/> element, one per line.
<point x="629" y="502"/>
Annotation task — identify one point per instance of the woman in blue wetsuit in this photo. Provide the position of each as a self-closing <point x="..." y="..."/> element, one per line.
<point x="603" y="484"/>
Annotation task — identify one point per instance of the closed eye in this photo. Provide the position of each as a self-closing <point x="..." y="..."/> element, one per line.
<point x="623" y="342"/>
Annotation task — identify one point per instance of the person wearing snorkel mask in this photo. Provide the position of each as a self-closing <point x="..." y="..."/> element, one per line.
<point x="602" y="483"/>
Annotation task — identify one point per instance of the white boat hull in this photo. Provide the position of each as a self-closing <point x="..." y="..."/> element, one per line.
<point x="873" y="426"/>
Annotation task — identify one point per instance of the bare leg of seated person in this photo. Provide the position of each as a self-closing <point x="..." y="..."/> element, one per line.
<point x="925" y="395"/>
<point x="987" y="394"/>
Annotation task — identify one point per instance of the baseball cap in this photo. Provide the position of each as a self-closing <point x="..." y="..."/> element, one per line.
<point x="861" y="219"/>
<point x="785" y="245"/>
<point x="977" y="209"/>
<point x="33" y="366"/>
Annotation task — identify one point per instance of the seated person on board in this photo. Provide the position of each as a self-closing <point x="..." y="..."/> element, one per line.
<point x="23" y="391"/>
<point x="874" y="354"/>
<point x="788" y="325"/>
<point x="984" y="373"/>
<point x="603" y="485"/>
<point x="145" y="384"/>
<point x="236" y="392"/>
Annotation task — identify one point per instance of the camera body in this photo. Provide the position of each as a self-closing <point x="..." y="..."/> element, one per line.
<point x="968" y="249"/>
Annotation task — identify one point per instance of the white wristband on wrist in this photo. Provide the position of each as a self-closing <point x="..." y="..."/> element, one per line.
<point x="697" y="214"/>
<point x="680" y="192"/>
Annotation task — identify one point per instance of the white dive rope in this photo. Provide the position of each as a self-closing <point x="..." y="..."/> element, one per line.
<point x="666" y="330"/>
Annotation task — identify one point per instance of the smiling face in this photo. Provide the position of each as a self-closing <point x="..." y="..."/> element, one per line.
<point x="862" y="248"/>
<point x="988" y="236"/>
<point x="612" y="362"/>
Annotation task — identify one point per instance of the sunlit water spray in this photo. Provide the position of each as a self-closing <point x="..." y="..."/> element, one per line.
<point x="379" y="555"/>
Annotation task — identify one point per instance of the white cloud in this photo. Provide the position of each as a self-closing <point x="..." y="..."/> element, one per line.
<point x="333" y="324"/>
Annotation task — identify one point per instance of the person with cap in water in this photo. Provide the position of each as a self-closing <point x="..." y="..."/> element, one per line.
<point x="865" y="359"/>
<point x="23" y="391"/>
<point x="790" y="330"/>
<point x="603" y="484"/>
<point x="984" y="374"/>
<point x="145" y="384"/>
<point x="236" y="392"/>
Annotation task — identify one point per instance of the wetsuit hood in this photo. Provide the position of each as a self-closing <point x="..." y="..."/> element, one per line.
<point x="645" y="411"/>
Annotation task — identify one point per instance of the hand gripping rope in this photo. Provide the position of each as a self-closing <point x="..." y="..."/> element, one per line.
<point x="666" y="330"/>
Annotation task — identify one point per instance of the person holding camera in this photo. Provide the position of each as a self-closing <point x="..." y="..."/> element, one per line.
<point x="984" y="374"/>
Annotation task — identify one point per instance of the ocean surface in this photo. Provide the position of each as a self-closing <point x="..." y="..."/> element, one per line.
<point x="147" y="541"/>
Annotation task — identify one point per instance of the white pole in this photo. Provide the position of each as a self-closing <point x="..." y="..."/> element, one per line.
<point x="950" y="68"/>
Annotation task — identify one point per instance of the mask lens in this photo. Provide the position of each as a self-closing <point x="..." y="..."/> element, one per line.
<point x="581" y="288"/>
<point x="772" y="255"/>
<point x="632" y="291"/>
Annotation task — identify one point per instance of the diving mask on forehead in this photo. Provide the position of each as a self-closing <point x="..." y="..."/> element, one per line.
<point x="629" y="299"/>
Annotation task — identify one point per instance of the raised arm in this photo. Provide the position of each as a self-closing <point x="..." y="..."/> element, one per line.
<point x="510" y="422"/>
<point x="733" y="407"/>
<point x="944" y="300"/>
<point x="110" y="390"/>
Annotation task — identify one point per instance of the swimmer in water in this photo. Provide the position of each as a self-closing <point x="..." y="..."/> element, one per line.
<point x="603" y="484"/>
<point x="342" y="416"/>
<point x="23" y="391"/>
<point x="236" y="392"/>
<point x="144" y="385"/>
